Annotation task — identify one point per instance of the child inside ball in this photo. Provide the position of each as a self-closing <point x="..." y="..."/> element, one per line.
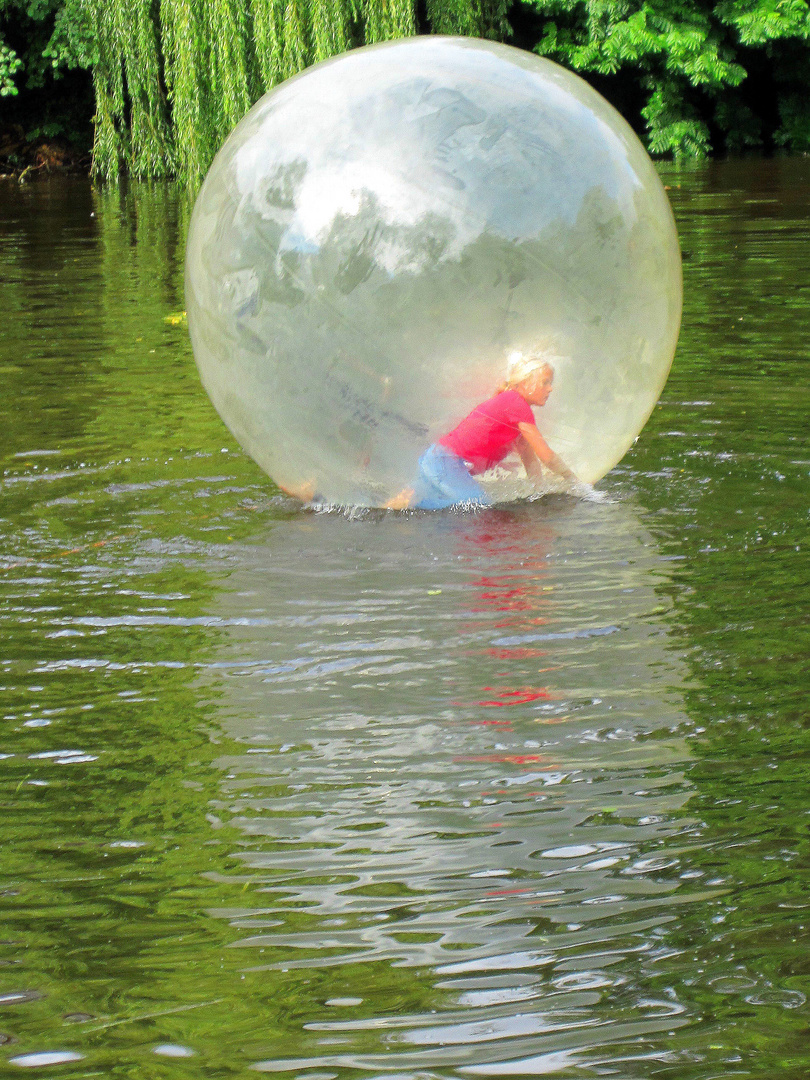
<point x="498" y="426"/>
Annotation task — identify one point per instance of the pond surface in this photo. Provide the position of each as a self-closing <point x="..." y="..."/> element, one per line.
<point x="515" y="793"/>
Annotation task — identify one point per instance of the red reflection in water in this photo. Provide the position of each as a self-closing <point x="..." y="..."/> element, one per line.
<point x="511" y="794"/>
<point x="507" y="696"/>
<point x="516" y="593"/>
<point x="515" y="654"/>
<point x="504" y="594"/>
<point x="512" y="759"/>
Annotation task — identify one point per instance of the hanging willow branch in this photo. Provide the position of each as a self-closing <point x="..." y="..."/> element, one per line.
<point x="131" y="123"/>
<point x="186" y="69"/>
<point x="268" y="39"/>
<point x="172" y="77"/>
<point x="331" y="27"/>
<point x="476" y="18"/>
<point x="109" y="151"/>
<point x="386" y="19"/>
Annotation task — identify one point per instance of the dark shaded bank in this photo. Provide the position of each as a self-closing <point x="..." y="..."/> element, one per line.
<point x="48" y="127"/>
<point x="23" y="157"/>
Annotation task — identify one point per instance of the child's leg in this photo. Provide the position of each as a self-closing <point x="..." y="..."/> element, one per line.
<point x="444" y="480"/>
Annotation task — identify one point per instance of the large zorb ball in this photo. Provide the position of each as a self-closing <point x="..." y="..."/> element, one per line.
<point x="378" y="234"/>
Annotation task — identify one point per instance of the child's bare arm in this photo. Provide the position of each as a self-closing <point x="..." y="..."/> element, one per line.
<point x="530" y="461"/>
<point x="539" y="448"/>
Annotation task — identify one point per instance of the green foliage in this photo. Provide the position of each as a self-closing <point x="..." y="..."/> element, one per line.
<point x="671" y="127"/>
<point x="684" y="57"/>
<point x="759" y="21"/>
<point x="385" y="19"/>
<point x="10" y="64"/>
<point x="476" y="18"/>
<point x="73" y="41"/>
<point x="172" y="77"/>
<point x="50" y="37"/>
<point x="44" y="85"/>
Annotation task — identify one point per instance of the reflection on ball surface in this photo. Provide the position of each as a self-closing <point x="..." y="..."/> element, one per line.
<point x="379" y="233"/>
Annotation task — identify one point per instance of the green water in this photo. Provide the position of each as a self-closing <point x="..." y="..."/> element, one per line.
<point x="517" y="793"/>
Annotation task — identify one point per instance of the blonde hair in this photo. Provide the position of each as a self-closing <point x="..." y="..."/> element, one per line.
<point x="520" y="366"/>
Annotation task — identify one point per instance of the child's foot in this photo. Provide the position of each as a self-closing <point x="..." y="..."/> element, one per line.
<point x="305" y="492"/>
<point x="401" y="501"/>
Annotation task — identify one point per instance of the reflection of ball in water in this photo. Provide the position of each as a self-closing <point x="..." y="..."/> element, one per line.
<point x="381" y="231"/>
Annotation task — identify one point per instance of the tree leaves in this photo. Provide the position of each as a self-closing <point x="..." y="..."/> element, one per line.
<point x="760" y="21"/>
<point x="172" y="77"/>
<point x="10" y="64"/>
<point x="670" y="48"/>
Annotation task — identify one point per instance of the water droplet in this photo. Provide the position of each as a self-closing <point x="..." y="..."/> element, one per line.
<point x="788" y="999"/>
<point x="45" y="1057"/>
<point x="173" y="1050"/>
<point x="16" y="997"/>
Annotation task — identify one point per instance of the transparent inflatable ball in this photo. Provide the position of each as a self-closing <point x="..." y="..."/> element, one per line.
<point x="381" y="232"/>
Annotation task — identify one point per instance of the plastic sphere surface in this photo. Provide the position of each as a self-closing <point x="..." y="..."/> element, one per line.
<point x="381" y="231"/>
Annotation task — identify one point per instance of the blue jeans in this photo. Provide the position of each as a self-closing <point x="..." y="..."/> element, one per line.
<point x="444" y="480"/>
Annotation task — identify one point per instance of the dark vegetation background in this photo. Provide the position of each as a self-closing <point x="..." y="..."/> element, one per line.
<point x="151" y="87"/>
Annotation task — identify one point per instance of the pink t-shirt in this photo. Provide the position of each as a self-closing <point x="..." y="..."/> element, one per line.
<point x="487" y="435"/>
